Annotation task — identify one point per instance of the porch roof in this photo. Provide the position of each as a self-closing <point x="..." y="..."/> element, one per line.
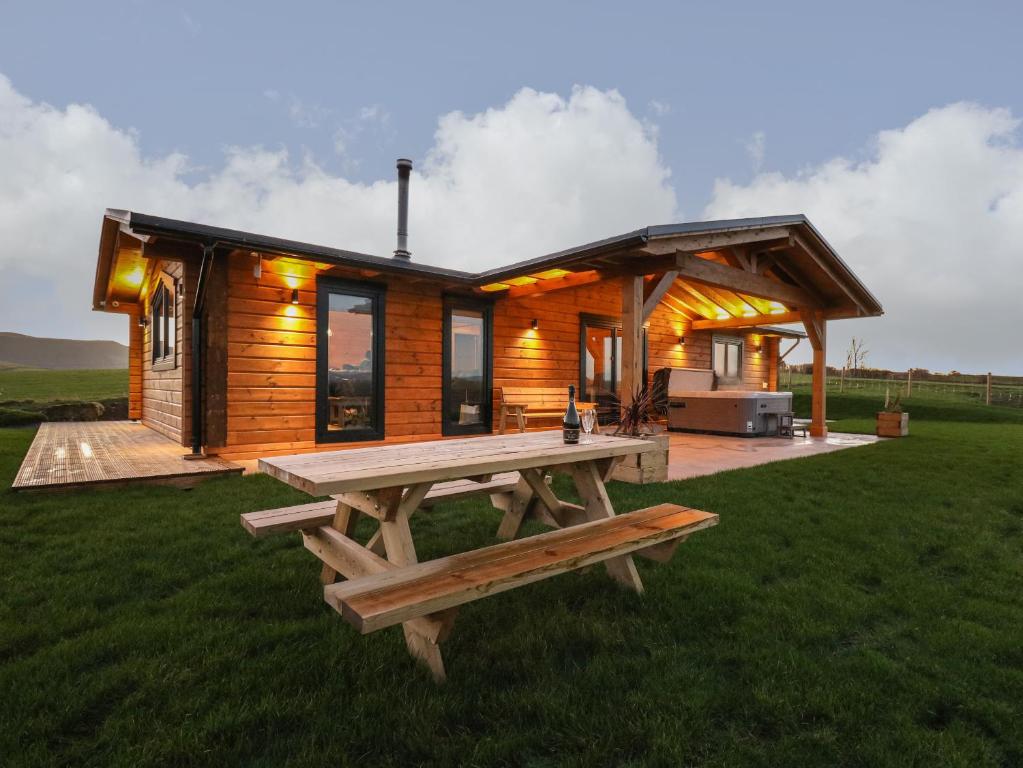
<point x="728" y="273"/>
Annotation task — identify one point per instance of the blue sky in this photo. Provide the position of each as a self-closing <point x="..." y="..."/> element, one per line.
<point x="724" y="90"/>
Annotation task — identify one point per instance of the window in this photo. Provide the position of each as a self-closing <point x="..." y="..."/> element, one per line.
<point x="349" y="361"/>
<point x="727" y="357"/>
<point x="163" y="324"/>
<point x="467" y="361"/>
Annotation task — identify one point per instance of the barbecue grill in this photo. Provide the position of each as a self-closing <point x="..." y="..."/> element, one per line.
<point x="695" y="406"/>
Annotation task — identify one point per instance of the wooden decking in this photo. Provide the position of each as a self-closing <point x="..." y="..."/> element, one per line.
<point x="69" y="455"/>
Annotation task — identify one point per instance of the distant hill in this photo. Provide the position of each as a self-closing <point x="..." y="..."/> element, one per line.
<point x="16" y="349"/>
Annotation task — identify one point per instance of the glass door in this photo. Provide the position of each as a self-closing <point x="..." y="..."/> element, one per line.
<point x="467" y="391"/>
<point x="600" y="374"/>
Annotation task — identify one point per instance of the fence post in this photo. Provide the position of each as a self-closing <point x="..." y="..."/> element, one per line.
<point x="909" y="382"/>
<point x="841" y="381"/>
<point x="989" y="387"/>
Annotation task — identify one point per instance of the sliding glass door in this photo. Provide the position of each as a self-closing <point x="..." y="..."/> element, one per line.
<point x="349" y="361"/>
<point x="600" y="375"/>
<point x="467" y="364"/>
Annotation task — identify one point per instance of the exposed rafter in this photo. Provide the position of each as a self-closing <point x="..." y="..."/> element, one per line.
<point x="657" y="293"/>
<point x="695" y="269"/>
<point x="747" y="322"/>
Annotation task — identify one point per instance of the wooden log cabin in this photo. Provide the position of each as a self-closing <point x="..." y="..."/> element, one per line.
<point x="243" y="345"/>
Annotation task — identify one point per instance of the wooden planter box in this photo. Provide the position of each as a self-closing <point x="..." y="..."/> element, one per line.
<point x="650" y="467"/>
<point x="892" y="424"/>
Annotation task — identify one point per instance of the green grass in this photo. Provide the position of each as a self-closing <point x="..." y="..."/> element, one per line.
<point x="858" y="608"/>
<point x="48" y="386"/>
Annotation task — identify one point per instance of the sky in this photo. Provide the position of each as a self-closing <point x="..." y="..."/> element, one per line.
<point x="533" y="127"/>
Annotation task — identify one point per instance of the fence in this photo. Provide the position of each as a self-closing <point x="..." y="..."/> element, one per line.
<point x="980" y="388"/>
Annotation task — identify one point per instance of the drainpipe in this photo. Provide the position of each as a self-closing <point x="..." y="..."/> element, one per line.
<point x="198" y="341"/>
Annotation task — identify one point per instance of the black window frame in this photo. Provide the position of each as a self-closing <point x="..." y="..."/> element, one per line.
<point x="737" y="341"/>
<point x="162" y="308"/>
<point x="377" y="294"/>
<point x="614" y="324"/>
<point x="486" y="425"/>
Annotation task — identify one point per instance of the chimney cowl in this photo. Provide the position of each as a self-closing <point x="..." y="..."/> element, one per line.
<point x="404" y="166"/>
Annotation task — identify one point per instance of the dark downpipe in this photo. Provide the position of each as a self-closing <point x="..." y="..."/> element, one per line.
<point x="198" y="341"/>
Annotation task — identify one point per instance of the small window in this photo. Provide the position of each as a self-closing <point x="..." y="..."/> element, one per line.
<point x="727" y="360"/>
<point x="164" y="325"/>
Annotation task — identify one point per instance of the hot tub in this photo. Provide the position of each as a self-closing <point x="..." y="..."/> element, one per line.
<point x="694" y="406"/>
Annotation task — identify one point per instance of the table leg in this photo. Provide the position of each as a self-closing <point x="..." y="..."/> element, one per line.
<point x="521" y="499"/>
<point x="397" y="538"/>
<point x="597" y="506"/>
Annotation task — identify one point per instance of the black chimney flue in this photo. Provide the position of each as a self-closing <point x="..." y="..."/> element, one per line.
<point x="404" y="171"/>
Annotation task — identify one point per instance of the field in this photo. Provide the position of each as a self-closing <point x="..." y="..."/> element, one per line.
<point x="858" y="608"/>
<point x="1005" y="390"/>
<point x="47" y="386"/>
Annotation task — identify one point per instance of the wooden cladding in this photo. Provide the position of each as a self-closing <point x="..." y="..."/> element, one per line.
<point x="268" y="382"/>
<point x="163" y="399"/>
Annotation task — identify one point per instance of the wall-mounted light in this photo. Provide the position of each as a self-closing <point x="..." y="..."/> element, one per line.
<point x="143" y="321"/>
<point x="535" y="325"/>
<point x="681" y="341"/>
<point x="758" y="348"/>
<point x="294" y="295"/>
<point x="257" y="268"/>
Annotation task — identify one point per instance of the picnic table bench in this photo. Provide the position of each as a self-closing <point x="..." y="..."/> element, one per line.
<point x="386" y="585"/>
<point x="538" y="403"/>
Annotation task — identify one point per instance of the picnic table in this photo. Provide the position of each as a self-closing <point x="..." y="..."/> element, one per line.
<point x="386" y="585"/>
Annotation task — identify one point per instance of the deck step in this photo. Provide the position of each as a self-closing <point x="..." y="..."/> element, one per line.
<point x="382" y="600"/>
<point x="317" y="513"/>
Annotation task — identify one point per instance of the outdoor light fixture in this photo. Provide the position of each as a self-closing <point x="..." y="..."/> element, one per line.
<point x="143" y="321"/>
<point x="257" y="268"/>
<point x="681" y="341"/>
<point x="759" y="348"/>
<point x="535" y="325"/>
<point x="294" y="295"/>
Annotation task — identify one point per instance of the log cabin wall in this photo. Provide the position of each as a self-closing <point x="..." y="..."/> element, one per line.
<point x="271" y="351"/>
<point x="162" y="391"/>
<point x="135" y="334"/>
<point x="271" y="368"/>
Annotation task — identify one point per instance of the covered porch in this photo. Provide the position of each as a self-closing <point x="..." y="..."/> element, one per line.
<point x="738" y="277"/>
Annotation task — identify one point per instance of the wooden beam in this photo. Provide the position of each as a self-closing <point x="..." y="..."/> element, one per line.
<point x="714" y="241"/>
<point x="747" y="322"/>
<point x="800" y="243"/>
<point x="661" y="288"/>
<point x="816" y="329"/>
<point x="706" y="272"/>
<point x="632" y="335"/>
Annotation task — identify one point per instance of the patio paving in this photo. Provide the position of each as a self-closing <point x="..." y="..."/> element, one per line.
<point x="693" y="455"/>
<point x="66" y="455"/>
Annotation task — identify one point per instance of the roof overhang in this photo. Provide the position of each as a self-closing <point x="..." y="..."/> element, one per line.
<point x="730" y="273"/>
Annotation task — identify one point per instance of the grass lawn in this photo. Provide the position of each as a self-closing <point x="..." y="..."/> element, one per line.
<point x="857" y="608"/>
<point x="44" y="386"/>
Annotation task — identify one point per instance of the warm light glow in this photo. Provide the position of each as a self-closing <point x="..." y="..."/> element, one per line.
<point x="776" y="308"/>
<point x="134" y="277"/>
<point x="721" y="314"/>
<point x="291" y="310"/>
<point x="86" y="449"/>
<point x="291" y="281"/>
<point x="521" y="280"/>
<point x="490" y="287"/>
<point x="550" y="274"/>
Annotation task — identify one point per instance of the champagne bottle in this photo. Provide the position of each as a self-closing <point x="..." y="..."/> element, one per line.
<point x="570" y="425"/>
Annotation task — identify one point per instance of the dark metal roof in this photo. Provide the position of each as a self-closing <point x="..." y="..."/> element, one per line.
<point x="143" y="224"/>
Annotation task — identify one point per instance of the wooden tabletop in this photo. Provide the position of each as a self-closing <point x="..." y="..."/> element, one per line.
<point x="387" y="466"/>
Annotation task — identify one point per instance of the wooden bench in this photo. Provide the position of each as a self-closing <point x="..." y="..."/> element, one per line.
<point x="399" y="594"/>
<point x="318" y="513"/>
<point x="536" y="402"/>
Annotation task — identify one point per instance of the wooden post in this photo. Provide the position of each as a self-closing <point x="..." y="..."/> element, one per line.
<point x="988" y="388"/>
<point x="631" y="364"/>
<point x="909" y="382"/>
<point x="816" y="329"/>
<point x="841" y="381"/>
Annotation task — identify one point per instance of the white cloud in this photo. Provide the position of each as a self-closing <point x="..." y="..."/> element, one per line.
<point x="756" y="147"/>
<point x="932" y="221"/>
<point x="539" y="173"/>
